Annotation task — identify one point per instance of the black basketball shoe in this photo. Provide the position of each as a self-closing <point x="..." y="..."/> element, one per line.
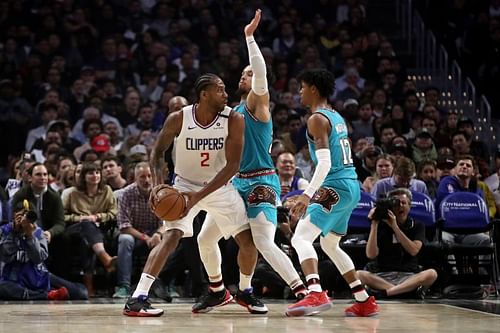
<point x="140" y="307"/>
<point x="248" y="300"/>
<point x="212" y="300"/>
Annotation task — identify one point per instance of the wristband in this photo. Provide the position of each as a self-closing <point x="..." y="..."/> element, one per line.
<point x="143" y="236"/>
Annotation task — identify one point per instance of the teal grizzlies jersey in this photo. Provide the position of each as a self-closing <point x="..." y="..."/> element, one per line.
<point x="258" y="140"/>
<point x="340" y="148"/>
<point x="332" y="205"/>
<point x="257" y="182"/>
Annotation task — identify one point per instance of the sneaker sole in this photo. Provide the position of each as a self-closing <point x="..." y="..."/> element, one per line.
<point x="141" y="314"/>
<point x="210" y="308"/>
<point x="254" y="310"/>
<point x="308" y="311"/>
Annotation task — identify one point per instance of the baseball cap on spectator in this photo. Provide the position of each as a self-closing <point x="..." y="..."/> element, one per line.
<point x="88" y="69"/>
<point x="464" y="121"/>
<point x="5" y="82"/>
<point x="138" y="149"/>
<point x="398" y="149"/>
<point x="445" y="162"/>
<point x="372" y="152"/>
<point x="56" y="124"/>
<point x="423" y="133"/>
<point x="100" y="143"/>
<point x="350" y="101"/>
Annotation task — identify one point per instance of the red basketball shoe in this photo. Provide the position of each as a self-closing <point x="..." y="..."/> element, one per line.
<point x="312" y="304"/>
<point x="367" y="308"/>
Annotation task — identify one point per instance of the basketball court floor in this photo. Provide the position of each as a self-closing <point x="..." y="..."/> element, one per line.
<point x="104" y="315"/>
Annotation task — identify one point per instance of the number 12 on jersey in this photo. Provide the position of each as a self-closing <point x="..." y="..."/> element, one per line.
<point x="345" y="147"/>
<point x="204" y="159"/>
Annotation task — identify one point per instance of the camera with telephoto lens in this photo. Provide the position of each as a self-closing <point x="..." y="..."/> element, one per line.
<point x="283" y="214"/>
<point x="383" y="206"/>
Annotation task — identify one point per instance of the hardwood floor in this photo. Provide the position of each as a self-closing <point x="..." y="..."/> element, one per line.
<point x="104" y="315"/>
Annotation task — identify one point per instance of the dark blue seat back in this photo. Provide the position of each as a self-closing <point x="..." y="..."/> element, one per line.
<point x="359" y="217"/>
<point x="464" y="211"/>
<point x="422" y="209"/>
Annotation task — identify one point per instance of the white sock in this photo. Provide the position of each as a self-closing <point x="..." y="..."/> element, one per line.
<point x="144" y="285"/>
<point x="245" y="281"/>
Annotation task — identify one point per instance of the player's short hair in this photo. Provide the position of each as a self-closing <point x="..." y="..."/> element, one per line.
<point x="322" y="79"/>
<point x="203" y="82"/>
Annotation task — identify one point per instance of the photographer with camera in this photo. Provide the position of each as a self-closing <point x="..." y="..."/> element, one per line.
<point x="394" y="242"/>
<point x="23" y="251"/>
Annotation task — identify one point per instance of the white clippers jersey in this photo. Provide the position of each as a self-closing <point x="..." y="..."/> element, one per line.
<point x="200" y="150"/>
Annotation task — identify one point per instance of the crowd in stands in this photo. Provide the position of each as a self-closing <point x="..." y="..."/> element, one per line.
<point x="87" y="85"/>
<point x="470" y="31"/>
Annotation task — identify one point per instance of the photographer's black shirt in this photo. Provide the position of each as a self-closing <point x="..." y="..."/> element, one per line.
<point x="392" y="256"/>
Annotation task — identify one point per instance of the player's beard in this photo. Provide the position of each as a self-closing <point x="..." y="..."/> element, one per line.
<point x="240" y="92"/>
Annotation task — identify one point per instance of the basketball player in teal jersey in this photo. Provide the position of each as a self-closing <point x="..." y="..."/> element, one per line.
<point x="328" y="201"/>
<point x="257" y="181"/>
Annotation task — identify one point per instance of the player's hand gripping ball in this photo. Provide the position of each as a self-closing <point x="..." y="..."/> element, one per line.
<point x="167" y="203"/>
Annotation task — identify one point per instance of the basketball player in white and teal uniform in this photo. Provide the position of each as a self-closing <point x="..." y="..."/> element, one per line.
<point x="257" y="181"/>
<point x="326" y="205"/>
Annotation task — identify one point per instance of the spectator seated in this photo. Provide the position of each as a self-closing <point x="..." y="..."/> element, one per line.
<point x="466" y="213"/>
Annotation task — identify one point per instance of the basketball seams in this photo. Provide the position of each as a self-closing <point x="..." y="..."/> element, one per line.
<point x="166" y="207"/>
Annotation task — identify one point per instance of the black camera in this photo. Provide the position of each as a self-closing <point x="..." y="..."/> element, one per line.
<point x="31" y="216"/>
<point x="383" y="206"/>
<point x="283" y="214"/>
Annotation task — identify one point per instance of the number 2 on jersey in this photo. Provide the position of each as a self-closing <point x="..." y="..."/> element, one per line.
<point x="204" y="159"/>
<point x="345" y="146"/>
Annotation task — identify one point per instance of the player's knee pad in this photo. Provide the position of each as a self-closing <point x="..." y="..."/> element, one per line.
<point x="330" y="245"/>
<point x="304" y="248"/>
<point x="263" y="244"/>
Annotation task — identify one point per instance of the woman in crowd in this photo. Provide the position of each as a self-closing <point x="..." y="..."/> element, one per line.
<point x="89" y="206"/>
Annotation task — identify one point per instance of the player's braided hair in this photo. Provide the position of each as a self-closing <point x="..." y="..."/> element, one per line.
<point x="203" y="82"/>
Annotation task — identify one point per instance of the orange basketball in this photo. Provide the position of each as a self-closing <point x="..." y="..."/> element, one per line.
<point x="168" y="203"/>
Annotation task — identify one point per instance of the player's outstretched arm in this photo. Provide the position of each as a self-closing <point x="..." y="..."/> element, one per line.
<point x="170" y="130"/>
<point x="234" y="149"/>
<point x="258" y="98"/>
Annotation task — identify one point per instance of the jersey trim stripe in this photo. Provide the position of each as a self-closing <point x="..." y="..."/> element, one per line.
<point x="309" y="137"/>
<point x="200" y="125"/>
<point x="247" y="110"/>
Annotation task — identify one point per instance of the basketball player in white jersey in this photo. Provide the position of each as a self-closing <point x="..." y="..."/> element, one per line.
<point x="208" y="152"/>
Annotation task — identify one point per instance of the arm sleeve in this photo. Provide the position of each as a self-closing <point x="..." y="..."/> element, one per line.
<point x="259" y="78"/>
<point x="322" y="169"/>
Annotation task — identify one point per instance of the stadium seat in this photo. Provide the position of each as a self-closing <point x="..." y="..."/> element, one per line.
<point x="422" y="210"/>
<point x="467" y="213"/>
